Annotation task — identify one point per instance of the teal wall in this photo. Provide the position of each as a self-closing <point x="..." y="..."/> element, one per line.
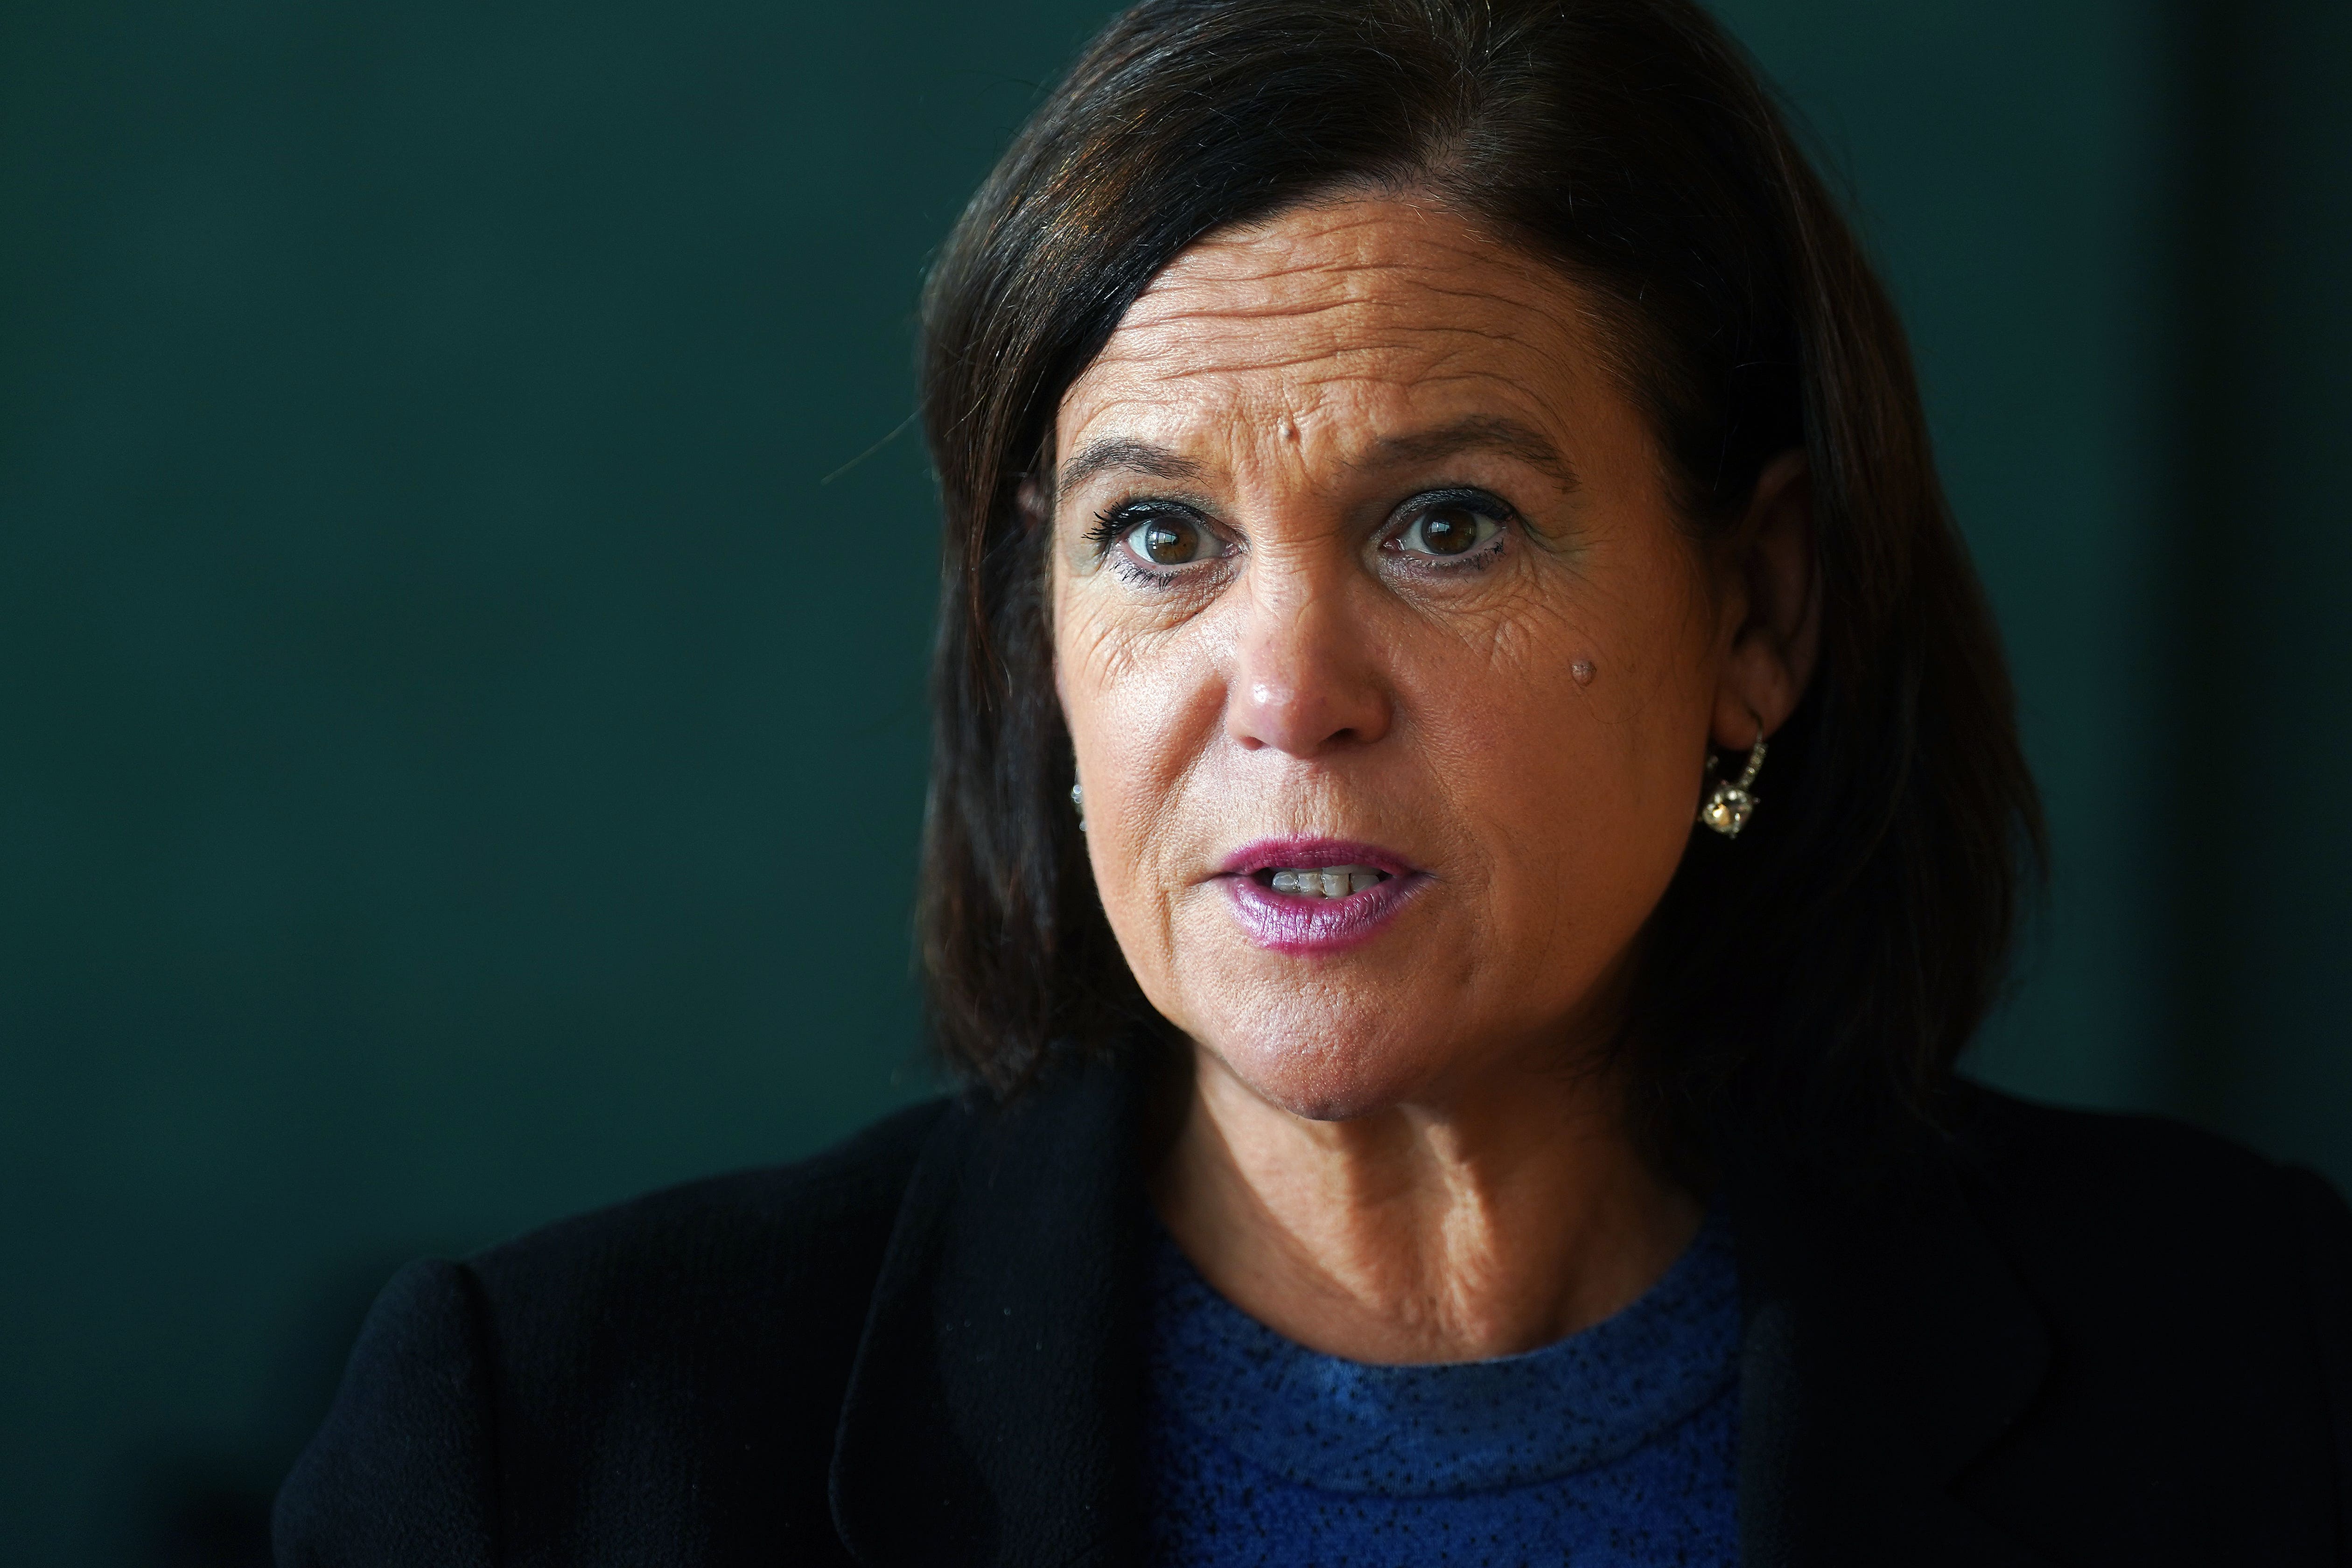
<point x="459" y="763"/>
<point x="2006" y="163"/>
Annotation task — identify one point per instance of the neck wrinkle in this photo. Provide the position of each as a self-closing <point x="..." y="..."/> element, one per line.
<point x="1407" y="1236"/>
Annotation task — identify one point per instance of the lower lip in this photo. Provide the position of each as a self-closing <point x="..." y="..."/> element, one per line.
<point x="1297" y="928"/>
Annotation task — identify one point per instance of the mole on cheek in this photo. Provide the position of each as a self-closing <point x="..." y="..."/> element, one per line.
<point x="1582" y="670"/>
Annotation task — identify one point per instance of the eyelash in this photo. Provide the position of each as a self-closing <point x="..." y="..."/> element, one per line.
<point x="1481" y="503"/>
<point x="1115" y="523"/>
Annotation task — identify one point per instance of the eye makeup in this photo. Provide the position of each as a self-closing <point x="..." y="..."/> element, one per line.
<point x="1153" y="541"/>
<point x="1139" y="538"/>
<point x="1458" y="528"/>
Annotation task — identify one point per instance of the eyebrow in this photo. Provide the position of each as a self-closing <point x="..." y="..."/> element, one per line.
<point x="1479" y="433"/>
<point x="1135" y="456"/>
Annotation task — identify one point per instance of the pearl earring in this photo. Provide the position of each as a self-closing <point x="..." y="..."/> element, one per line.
<point x="1078" y="799"/>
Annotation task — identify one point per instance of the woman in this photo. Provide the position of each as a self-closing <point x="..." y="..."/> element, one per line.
<point x="1475" y="803"/>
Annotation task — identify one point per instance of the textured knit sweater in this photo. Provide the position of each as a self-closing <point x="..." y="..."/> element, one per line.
<point x="1613" y="1446"/>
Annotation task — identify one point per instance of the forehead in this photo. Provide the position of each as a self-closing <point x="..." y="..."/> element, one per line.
<point x="1335" y="321"/>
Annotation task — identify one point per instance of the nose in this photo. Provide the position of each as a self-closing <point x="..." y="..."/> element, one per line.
<point x="1307" y="679"/>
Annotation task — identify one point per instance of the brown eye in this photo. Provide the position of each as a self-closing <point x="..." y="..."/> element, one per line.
<point x="1448" y="529"/>
<point x="1169" y="542"/>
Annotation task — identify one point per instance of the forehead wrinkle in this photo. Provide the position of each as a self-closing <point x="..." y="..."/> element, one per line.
<point x="1183" y="274"/>
<point x="1267" y="310"/>
<point x="1435" y="345"/>
<point x="1383" y="249"/>
<point x="1363" y="325"/>
<point x="1334" y="357"/>
<point x="1368" y="225"/>
<point x="1321" y="405"/>
<point x="1340" y="317"/>
<point x="1179" y="277"/>
<point x="1330" y="407"/>
<point x="1166" y="302"/>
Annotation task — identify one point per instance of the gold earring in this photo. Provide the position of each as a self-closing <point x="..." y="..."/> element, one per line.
<point x="1728" y="806"/>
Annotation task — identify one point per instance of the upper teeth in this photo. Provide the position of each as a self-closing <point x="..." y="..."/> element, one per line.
<point x="1327" y="882"/>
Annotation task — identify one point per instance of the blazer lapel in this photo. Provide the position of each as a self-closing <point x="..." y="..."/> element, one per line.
<point x="1885" y="1347"/>
<point x="994" y="1410"/>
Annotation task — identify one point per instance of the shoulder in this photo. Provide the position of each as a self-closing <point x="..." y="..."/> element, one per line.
<point x="742" y="1294"/>
<point x="2178" y="1222"/>
<point x="2123" y="1189"/>
<point x="776" y="1231"/>
<point x="670" y="1366"/>
<point x="2198" y="1299"/>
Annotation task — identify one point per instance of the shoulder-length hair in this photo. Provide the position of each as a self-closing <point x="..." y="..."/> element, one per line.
<point x="1828" y="966"/>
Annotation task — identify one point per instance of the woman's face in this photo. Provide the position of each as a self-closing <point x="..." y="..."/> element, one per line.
<point x="1390" y="673"/>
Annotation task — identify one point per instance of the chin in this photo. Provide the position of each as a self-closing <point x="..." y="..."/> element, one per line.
<point x="1327" y="1073"/>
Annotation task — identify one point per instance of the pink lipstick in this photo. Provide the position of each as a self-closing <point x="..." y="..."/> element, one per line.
<point x="1303" y="895"/>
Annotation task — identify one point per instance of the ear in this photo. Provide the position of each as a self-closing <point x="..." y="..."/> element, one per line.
<point x="1772" y="606"/>
<point x="1032" y="501"/>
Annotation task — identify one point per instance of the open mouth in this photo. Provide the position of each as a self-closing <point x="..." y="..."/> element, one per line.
<point x="1305" y="895"/>
<point x="1320" y="881"/>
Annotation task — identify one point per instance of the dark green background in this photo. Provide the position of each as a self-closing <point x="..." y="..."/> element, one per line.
<point x="458" y="763"/>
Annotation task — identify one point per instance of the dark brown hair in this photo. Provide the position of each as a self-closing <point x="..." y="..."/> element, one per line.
<point x="1827" y="966"/>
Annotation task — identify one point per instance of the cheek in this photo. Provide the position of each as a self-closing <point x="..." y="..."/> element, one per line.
<point x="1140" y="712"/>
<point x="1578" y="793"/>
<point x="1586" y="826"/>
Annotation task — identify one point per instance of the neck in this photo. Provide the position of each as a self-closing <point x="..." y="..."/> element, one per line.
<point x="1514" y="1214"/>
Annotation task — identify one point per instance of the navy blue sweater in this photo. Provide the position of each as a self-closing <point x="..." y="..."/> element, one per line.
<point x="1615" y="1447"/>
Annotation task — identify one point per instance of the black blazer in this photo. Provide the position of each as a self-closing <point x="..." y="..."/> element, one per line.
<point x="2087" y="1339"/>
